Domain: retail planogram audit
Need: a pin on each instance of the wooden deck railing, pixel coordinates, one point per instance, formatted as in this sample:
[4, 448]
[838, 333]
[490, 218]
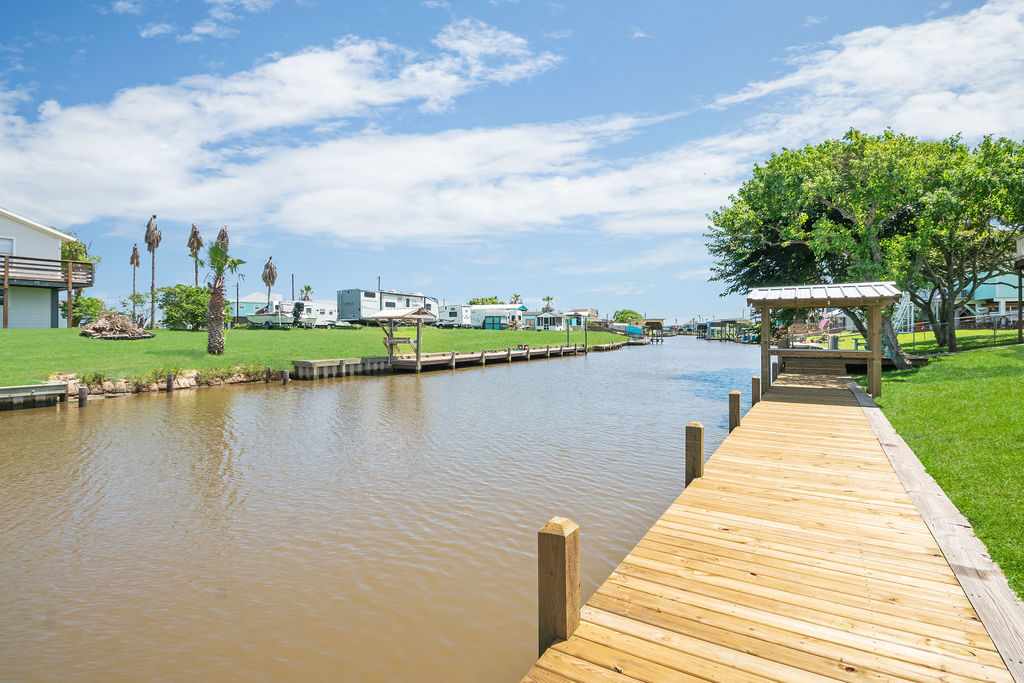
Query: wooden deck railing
[27, 268]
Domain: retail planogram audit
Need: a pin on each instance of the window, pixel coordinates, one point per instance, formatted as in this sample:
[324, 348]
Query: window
[389, 304]
[428, 307]
[370, 295]
[7, 245]
[452, 314]
[407, 304]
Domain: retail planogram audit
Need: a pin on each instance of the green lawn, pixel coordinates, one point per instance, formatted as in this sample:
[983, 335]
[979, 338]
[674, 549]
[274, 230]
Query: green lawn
[924, 342]
[28, 356]
[963, 414]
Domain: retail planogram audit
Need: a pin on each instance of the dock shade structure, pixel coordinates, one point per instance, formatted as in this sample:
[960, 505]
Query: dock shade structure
[871, 296]
[390, 317]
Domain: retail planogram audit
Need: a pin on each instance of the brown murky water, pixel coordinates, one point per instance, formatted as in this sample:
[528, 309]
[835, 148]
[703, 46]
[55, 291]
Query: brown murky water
[365, 529]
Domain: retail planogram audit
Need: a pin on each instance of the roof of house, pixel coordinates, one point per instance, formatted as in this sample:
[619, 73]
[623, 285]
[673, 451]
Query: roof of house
[826, 295]
[38, 226]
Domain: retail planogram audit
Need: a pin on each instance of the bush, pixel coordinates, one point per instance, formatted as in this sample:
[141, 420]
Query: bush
[184, 306]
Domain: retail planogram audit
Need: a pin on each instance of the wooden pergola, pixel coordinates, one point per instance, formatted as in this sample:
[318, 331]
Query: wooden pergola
[871, 296]
[390, 317]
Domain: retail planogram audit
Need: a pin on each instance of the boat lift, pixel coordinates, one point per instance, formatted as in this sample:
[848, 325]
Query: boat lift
[389, 319]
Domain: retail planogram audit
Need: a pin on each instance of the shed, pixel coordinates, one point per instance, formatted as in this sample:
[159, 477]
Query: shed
[872, 296]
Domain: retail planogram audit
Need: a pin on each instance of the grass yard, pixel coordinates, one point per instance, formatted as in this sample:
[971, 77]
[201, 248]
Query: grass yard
[29, 356]
[963, 414]
[924, 342]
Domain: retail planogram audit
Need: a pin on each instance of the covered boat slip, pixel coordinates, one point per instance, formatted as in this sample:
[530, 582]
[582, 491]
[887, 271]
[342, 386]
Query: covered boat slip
[871, 296]
[798, 555]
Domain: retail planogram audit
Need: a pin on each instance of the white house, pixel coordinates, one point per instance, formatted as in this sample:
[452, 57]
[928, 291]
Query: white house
[357, 304]
[496, 316]
[456, 315]
[32, 274]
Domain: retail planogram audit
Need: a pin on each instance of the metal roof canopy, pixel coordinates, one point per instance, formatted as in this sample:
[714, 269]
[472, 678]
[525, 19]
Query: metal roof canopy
[413, 313]
[845, 295]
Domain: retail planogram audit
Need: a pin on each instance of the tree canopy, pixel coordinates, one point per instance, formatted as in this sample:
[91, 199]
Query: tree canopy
[484, 300]
[935, 216]
[627, 316]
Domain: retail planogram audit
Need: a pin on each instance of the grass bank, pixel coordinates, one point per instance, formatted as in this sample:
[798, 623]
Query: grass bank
[963, 414]
[924, 342]
[29, 356]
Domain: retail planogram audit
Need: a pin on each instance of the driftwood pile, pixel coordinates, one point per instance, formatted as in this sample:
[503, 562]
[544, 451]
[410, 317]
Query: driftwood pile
[114, 326]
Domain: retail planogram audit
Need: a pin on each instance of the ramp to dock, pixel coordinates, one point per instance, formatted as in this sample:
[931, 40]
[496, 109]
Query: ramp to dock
[798, 556]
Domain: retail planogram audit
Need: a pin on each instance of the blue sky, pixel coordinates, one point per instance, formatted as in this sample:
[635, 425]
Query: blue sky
[464, 148]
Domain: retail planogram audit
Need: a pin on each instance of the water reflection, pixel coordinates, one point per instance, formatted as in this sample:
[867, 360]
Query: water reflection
[363, 529]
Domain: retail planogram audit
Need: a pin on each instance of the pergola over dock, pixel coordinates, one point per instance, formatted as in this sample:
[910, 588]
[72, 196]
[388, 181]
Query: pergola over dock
[871, 296]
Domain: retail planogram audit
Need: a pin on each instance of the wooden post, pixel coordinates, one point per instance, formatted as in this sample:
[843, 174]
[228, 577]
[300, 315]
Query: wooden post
[285, 378]
[558, 581]
[508, 353]
[693, 455]
[70, 297]
[7, 291]
[549, 351]
[734, 409]
[419, 330]
[875, 364]
[775, 372]
[170, 383]
[483, 358]
[766, 344]
[527, 352]
[755, 390]
[452, 361]
[83, 395]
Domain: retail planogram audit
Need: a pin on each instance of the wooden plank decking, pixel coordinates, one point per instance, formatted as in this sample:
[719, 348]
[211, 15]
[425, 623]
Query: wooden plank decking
[798, 556]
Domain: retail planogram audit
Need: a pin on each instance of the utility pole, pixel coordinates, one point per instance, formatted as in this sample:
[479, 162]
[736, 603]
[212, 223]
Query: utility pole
[380, 297]
[293, 286]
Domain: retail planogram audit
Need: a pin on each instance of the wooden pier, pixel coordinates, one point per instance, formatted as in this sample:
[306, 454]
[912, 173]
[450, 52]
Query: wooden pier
[452, 359]
[801, 551]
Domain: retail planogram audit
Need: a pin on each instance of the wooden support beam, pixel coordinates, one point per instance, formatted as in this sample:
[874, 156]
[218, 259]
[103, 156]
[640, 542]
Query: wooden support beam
[508, 353]
[875, 364]
[83, 395]
[170, 383]
[419, 337]
[483, 358]
[775, 373]
[755, 390]
[71, 304]
[559, 592]
[734, 409]
[451, 363]
[766, 343]
[7, 292]
[549, 351]
[527, 352]
[693, 454]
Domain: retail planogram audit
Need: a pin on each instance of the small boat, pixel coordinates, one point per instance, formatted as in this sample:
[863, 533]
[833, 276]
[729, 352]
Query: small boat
[282, 314]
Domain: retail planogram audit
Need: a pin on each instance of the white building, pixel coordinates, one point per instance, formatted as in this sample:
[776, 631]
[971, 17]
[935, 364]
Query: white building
[496, 316]
[32, 274]
[357, 304]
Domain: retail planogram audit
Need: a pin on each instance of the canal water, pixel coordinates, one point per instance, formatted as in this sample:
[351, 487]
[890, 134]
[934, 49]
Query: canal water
[361, 529]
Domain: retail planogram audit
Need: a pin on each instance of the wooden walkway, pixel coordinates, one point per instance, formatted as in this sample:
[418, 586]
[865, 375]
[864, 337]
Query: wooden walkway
[798, 556]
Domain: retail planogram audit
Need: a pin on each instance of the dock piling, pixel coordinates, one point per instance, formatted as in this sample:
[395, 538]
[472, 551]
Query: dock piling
[693, 455]
[548, 350]
[170, 383]
[285, 377]
[755, 390]
[558, 581]
[775, 372]
[734, 409]
[83, 396]
[508, 353]
[452, 361]
[483, 358]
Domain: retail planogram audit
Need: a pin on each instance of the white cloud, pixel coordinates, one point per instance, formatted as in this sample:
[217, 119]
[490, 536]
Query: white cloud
[220, 15]
[126, 7]
[811, 20]
[155, 29]
[235, 148]
[639, 34]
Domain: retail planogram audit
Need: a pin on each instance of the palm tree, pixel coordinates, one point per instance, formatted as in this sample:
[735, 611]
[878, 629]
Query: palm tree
[516, 299]
[269, 276]
[547, 303]
[307, 293]
[153, 237]
[195, 245]
[134, 261]
[221, 263]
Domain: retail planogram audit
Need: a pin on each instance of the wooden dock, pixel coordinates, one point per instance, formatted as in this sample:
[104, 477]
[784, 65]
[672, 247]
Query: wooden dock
[798, 555]
[428, 361]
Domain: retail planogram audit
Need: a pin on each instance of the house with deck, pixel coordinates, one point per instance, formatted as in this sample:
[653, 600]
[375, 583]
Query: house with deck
[32, 273]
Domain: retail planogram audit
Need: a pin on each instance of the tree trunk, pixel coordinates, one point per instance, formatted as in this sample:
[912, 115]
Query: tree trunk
[899, 359]
[195, 263]
[152, 291]
[215, 319]
[951, 326]
[134, 269]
